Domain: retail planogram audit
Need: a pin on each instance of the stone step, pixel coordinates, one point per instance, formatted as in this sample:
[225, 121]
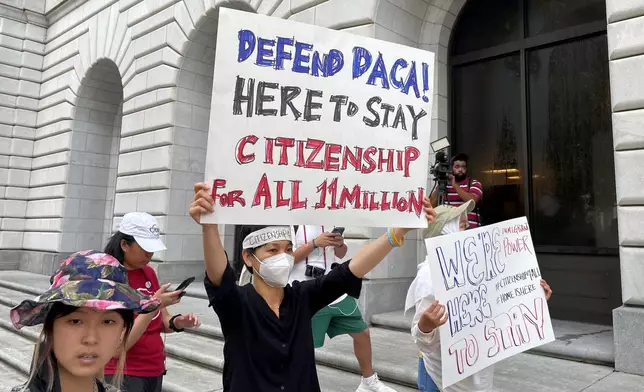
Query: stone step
[395, 355]
[9, 377]
[338, 353]
[195, 360]
[575, 341]
[526, 373]
[18, 350]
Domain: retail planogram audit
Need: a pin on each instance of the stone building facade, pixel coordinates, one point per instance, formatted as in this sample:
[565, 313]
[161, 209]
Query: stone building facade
[104, 109]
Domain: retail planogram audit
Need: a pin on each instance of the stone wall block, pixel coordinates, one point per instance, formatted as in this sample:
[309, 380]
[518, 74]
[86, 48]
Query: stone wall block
[617, 10]
[626, 38]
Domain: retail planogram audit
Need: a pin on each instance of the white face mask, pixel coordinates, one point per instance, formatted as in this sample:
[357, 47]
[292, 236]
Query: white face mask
[275, 270]
[452, 226]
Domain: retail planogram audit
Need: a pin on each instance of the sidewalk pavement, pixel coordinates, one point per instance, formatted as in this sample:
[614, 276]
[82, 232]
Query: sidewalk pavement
[536, 373]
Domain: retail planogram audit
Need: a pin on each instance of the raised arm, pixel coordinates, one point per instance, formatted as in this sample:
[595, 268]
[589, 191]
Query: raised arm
[373, 253]
[370, 255]
[215, 258]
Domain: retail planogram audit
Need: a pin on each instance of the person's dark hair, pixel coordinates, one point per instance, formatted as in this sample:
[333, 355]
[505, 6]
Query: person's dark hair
[460, 157]
[43, 375]
[245, 231]
[113, 247]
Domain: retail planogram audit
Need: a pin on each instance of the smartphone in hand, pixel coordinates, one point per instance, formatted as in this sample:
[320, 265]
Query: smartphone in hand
[338, 230]
[184, 285]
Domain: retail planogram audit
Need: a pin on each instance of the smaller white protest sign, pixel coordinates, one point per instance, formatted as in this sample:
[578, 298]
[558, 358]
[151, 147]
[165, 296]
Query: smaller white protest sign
[489, 280]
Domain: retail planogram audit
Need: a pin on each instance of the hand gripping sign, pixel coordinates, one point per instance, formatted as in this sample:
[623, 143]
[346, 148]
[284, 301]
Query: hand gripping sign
[313, 125]
[489, 280]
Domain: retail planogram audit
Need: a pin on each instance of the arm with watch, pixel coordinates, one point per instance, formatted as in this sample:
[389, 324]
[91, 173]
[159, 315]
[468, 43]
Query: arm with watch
[322, 241]
[179, 322]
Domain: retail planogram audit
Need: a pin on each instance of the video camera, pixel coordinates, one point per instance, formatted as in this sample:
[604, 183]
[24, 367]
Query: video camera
[441, 169]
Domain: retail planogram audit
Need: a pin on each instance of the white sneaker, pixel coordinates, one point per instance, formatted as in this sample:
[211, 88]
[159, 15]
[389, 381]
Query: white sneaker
[373, 384]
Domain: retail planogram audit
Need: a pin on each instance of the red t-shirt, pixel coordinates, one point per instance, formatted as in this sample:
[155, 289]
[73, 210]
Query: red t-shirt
[147, 357]
[471, 186]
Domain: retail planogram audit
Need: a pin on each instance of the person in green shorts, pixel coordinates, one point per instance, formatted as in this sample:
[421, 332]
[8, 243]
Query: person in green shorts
[318, 249]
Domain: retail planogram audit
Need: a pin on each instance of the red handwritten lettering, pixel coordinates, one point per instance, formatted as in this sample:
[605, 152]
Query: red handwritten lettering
[285, 143]
[466, 352]
[516, 229]
[268, 154]
[226, 199]
[316, 146]
[263, 191]
[319, 155]
[411, 154]
[508, 330]
[240, 156]
[389, 160]
[357, 198]
[281, 200]
[352, 197]
[332, 161]
[296, 203]
[518, 245]
[368, 157]
[349, 158]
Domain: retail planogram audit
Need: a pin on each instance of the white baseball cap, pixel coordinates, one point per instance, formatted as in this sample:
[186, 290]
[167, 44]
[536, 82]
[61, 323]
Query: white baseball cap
[145, 230]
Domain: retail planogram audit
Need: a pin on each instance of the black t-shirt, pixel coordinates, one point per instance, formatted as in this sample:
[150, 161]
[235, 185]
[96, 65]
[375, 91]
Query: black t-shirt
[263, 353]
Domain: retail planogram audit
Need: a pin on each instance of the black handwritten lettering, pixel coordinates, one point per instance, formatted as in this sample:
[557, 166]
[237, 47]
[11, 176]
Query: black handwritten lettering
[339, 100]
[240, 97]
[289, 93]
[310, 105]
[372, 122]
[262, 98]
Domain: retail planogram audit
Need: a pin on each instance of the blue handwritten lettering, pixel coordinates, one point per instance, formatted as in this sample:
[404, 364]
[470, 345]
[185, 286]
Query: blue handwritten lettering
[398, 83]
[472, 260]
[265, 52]
[411, 82]
[301, 60]
[281, 54]
[379, 71]
[246, 45]
[277, 51]
[452, 272]
[361, 61]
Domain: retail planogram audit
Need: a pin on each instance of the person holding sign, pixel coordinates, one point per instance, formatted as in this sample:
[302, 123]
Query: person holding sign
[317, 252]
[133, 245]
[267, 324]
[430, 314]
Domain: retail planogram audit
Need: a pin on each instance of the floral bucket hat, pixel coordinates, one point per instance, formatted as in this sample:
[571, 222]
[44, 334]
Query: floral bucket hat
[87, 279]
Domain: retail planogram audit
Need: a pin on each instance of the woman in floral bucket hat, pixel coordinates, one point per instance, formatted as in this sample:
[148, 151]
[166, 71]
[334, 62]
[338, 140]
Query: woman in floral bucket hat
[87, 315]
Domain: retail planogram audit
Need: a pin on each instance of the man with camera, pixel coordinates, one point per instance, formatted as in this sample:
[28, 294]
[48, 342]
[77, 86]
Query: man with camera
[317, 251]
[461, 188]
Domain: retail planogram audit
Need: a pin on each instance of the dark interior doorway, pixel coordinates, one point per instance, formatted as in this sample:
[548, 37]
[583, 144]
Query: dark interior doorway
[530, 104]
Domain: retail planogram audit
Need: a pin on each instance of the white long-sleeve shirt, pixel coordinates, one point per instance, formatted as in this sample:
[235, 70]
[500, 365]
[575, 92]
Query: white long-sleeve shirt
[430, 348]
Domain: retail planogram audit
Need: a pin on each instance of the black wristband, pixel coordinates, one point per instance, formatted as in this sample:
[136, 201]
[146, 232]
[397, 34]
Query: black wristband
[172, 326]
[315, 246]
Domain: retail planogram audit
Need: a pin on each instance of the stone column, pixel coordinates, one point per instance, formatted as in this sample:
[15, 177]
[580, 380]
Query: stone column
[22, 36]
[626, 52]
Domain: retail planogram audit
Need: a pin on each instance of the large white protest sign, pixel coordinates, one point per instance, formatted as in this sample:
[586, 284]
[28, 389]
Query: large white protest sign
[313, 125]
[489, 280]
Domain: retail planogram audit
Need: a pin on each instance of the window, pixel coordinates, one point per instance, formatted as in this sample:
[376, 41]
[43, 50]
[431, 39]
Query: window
[489, 106]
[531, 106]
[545, 16]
